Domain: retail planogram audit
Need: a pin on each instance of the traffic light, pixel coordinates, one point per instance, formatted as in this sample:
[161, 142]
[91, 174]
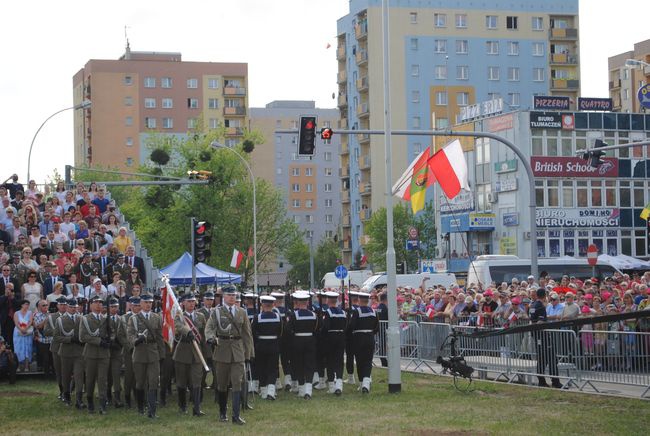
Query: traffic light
[326, 133]
[307, 135]
[594, 157]
[201, 241]
[399, 268]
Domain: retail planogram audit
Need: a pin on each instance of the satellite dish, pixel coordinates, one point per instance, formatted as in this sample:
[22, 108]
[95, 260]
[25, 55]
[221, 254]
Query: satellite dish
[333, 95]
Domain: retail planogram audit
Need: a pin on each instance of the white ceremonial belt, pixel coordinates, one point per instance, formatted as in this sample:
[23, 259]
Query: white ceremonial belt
[303, 334]
[267, 337]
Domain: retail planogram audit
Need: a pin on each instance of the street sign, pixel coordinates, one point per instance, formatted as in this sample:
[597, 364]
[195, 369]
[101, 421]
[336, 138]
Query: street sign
[592, 255]
[644, 95]
[341, 272]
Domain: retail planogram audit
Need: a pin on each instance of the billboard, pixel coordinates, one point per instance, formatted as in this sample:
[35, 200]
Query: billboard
[565, 166]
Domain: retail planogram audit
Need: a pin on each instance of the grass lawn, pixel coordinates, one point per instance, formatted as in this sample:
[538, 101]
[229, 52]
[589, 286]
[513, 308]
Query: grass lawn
[427, 405]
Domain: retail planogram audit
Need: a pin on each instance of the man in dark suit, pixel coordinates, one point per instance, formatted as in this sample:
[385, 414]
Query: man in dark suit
[104, 261]
[9, 304]
[136, 262]
[48, 282]
[6, 277]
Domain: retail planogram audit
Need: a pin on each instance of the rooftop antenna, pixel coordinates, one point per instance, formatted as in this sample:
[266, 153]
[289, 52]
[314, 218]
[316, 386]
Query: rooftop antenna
[127, 54]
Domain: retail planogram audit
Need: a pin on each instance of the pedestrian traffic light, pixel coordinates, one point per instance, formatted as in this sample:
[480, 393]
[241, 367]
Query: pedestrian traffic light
[202, 240]
[326, 133]
[399, 268]
[307, 135]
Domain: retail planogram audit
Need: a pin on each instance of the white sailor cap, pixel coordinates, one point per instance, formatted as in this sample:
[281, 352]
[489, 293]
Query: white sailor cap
[267, 299]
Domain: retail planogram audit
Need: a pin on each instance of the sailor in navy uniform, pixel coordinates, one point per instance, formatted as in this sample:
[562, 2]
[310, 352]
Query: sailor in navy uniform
[302, 325]
[363, 327]
[285, 342]
[349, 351]
[267, 331]
[333, 334]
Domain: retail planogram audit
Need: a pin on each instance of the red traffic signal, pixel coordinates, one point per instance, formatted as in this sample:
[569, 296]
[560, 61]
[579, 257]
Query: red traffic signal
[202, 227]
[326, 133]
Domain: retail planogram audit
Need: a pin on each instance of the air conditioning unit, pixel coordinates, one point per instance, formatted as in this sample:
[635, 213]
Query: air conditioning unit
[492, 197]
[527, 236]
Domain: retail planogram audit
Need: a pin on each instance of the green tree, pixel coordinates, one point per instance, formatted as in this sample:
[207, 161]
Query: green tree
[325, 260]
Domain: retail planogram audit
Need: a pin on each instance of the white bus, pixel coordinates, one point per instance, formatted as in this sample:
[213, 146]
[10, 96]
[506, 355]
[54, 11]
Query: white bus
[412, 280]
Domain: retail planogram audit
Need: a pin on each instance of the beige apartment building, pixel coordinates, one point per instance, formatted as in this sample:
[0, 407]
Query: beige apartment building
[625, 78]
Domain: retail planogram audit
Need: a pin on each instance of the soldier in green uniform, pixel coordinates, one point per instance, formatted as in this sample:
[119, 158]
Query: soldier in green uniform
[66, 333]
[48, 330]
[229, 331]
[129, 379]
[118, 339]
[187, 363]
[144, 332]
[93, 333]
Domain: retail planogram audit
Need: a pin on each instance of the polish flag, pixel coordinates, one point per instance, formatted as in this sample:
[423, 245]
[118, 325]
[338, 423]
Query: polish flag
[237, 257]
[430, 313]
[512, 318]
[450, 169]
[479, 321]
[170, 309]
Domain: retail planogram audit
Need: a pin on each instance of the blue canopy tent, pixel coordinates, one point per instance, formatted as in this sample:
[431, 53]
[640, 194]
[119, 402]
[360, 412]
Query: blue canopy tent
[180, 273]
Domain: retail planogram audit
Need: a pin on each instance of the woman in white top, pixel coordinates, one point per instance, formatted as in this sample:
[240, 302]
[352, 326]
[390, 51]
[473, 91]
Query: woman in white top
[73, 288]
[32, 190]
[32, 290]
[56, 293]
[34, 237]
[60, 191]
[113, 287]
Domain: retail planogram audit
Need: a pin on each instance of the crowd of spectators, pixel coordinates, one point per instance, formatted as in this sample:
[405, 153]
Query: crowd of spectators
[57, 242]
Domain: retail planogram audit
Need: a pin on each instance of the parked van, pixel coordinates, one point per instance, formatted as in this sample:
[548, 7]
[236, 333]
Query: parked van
[355, 278]
[503, 268]
[412, 280]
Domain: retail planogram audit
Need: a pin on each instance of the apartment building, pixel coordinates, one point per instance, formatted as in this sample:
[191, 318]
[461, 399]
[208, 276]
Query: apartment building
[628, 72]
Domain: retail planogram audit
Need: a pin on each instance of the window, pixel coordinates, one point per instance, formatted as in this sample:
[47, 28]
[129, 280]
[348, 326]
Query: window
[150, 103]
[308, 172]
[192, 83]
[440, 20]
[513, 48]
[462, 72]
[440, 72]
[295, 187]
[296, 219]
[150, 123]
[329, 234]
[328, 202]
[128, 101]
[309, 204]
[441, 98]
[192, 103]
[192, 123]
[513, 74]
[512, 23]
[538, 74]
[415, 70]
[129, 142]
[415, 96]
[327, 156]
[168, 123]
[513, 99]
[213, 103]
[213, 83]
[128, 121]
[149, 82]
[494, 95]
[213, 123]
[166, 82]
[328, 187]
[413, 16]
[309, 187]
[538, 23]
[309, 219]
[414, 44]
[129, 161]
[462, 98]
[440, 46]
[491, 21]
[493, 73]
[295, 203]
[329, 219]
[167, 103]
[128, 80]
[416, 122]
[492, 47]
[295, 172]
[328, 172]
[462, 46]
[461, 21]
[538, 49]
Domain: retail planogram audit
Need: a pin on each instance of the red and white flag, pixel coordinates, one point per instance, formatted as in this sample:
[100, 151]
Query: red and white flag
[450, 169]
[237, 257]
[430, 313]
[170, 309]
[479, 321]
[512, 318]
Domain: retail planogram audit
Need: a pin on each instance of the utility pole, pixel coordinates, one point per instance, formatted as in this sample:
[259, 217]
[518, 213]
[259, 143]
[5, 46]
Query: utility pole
[192, 227]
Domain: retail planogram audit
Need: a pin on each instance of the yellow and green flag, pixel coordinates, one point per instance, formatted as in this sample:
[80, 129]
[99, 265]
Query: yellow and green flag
[645, 213]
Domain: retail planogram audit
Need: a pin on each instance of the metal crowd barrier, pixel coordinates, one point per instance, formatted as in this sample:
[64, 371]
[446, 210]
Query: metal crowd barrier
[593, 359]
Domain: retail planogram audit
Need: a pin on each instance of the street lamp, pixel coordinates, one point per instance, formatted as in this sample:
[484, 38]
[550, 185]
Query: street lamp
[215, 144]
[636, 63]
[83, 105]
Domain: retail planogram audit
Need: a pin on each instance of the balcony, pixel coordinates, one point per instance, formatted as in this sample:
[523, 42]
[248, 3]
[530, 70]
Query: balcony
[364, 162]
[362, 110]
[238, 111]
[365, 214]
[347, 245]
[565, 84]
[365, 189]
[346, 220]
[234, 131]
[361, 30]
[345, 196]
[363, 138]
[615, 84]
[344, 172]
[340, 53]
[362, 84]
[563, 34]
[341, 77]
[342, 100]
[345, 147]
[342, 124]
[564, 59]
[234, 90]
[361, 57]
